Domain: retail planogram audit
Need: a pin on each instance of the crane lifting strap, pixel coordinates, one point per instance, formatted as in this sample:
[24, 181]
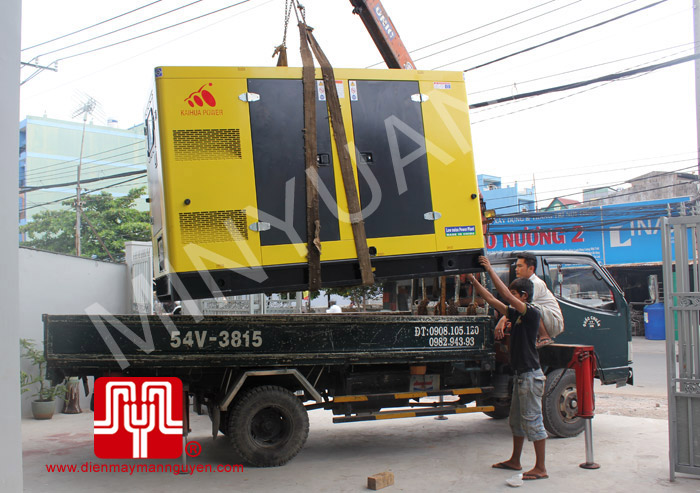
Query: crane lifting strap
[313, 223]
[341, 144]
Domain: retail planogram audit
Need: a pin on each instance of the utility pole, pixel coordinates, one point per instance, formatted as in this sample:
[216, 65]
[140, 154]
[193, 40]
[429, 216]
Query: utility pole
[87, 108]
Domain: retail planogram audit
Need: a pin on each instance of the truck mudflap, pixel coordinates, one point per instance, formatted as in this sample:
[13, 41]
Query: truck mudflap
[81, 343]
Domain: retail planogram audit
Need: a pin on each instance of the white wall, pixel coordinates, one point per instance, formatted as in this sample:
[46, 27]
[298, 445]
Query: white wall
[11, 451]
[61, 285]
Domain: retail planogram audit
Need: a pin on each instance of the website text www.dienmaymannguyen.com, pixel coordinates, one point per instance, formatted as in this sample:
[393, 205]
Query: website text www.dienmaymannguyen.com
[132, 469]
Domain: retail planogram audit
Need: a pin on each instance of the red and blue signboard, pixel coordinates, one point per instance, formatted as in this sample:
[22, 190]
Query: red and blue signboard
[614, 234]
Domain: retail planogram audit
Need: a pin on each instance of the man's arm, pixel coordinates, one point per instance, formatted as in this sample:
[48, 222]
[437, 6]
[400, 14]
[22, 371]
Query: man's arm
[488, 297]
[501, 287]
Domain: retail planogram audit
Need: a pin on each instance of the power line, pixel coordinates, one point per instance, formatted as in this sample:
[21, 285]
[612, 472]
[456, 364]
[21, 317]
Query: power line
[609, 185]
[84, 193]
[91, 26]
[575, 85]
[90, 180]
[156, 31]
[96, 163]
[84, 157]
[120, 29]
[480, 27]
[580, 69]
[444, 50]
[151, 48]
[588, 167]
[578, 191]
[560, 38]
[537, 34]
[588, 172]
[513, 101]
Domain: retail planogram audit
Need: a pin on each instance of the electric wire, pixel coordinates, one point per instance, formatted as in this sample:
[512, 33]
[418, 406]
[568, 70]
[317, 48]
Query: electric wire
[444, 50]
[608, 170]
[478, 28]
[83, 192]
[565, 36]
[536, 34]
[575, 85]
[120, 29]
[90, 165]
[129, 161]
[88, 180]
[88, 156]
[580, 69]
[588, 171]
[578, 190]
[130, 58]
[153, 32]
[91, 26]
[603, 84]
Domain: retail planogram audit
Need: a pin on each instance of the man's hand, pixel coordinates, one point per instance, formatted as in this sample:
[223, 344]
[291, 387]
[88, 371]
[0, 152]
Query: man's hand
[484, 261]
[501, 327]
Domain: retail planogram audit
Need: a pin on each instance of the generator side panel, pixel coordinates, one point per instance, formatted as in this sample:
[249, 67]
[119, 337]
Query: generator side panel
[455, 192]
[206, 159]
[155, 187]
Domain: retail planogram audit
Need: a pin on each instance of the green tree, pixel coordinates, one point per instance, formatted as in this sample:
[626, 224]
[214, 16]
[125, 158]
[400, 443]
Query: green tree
[114, 219]
[359, 294]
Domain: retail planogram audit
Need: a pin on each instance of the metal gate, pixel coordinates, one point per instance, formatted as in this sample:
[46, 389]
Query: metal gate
[681, 248]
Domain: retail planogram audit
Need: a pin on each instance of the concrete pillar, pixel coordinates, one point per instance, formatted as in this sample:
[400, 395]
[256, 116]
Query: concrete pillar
[11, 450]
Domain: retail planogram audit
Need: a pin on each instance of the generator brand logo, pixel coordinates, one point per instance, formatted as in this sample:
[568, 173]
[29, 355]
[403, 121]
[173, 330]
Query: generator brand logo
[138, 418]
[202, 103]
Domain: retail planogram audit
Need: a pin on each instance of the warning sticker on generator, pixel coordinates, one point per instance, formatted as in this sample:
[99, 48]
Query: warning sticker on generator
[460, 231]
[353, 90]
[442, 85]
[321, 89]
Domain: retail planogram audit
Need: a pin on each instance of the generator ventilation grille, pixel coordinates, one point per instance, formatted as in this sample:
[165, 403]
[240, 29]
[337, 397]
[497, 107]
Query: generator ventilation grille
[213, 226]
[207, 144]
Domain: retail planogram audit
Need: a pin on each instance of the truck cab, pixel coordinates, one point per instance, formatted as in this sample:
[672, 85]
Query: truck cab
[595, 313]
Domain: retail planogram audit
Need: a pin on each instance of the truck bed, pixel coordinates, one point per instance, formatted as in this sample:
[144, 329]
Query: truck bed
[89, 344]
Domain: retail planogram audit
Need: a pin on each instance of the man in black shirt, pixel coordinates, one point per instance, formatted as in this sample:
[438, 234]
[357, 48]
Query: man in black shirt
[528, 386]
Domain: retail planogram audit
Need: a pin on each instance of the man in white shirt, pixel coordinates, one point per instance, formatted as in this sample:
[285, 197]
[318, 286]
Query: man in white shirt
[551, 321]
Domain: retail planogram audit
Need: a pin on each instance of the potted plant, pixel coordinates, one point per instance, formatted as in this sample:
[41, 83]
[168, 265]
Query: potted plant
[45, 403]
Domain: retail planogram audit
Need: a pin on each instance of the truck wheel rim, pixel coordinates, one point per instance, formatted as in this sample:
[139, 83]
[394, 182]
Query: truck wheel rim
[568, 404]
[270, 426]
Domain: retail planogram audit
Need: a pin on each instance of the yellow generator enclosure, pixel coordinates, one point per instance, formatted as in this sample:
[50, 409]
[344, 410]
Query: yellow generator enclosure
[228, 184]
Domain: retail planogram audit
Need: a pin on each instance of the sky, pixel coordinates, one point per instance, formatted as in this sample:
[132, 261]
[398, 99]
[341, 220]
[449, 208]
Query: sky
[597, 135]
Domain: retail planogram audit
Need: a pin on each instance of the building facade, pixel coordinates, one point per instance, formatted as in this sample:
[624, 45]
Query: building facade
[509, 200]
[656, 185]
[113, 159]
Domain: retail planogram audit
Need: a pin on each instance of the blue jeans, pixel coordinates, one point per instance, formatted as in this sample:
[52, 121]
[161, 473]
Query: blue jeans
[526, 406]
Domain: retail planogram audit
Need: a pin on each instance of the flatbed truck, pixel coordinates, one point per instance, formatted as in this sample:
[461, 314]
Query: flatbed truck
[258, 375]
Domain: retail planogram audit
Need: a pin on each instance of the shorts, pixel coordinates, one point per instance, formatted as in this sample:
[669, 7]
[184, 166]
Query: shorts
[526, 406]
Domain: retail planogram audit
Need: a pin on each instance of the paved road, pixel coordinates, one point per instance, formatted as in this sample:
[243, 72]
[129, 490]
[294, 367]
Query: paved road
[649, 366]
[648, 396]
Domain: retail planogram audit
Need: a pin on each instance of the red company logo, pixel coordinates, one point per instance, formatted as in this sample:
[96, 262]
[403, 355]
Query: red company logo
[200, 97]
[138, 418]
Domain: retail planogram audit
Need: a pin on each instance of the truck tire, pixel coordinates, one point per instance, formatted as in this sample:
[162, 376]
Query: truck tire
[268, 426]
[560, 404]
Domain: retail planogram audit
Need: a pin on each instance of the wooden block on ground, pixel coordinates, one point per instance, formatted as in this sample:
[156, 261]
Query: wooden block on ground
[381, 480]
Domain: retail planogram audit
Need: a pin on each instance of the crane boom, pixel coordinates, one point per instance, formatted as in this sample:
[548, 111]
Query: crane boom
[383, 32]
